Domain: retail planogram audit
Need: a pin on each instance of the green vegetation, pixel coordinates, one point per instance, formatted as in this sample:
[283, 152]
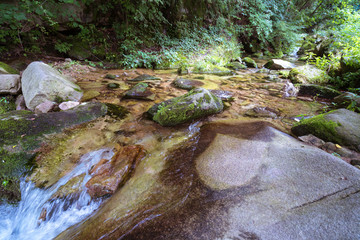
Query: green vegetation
[199, 34]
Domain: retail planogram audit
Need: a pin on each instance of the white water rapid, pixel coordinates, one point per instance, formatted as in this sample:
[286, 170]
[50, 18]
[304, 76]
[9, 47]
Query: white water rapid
[22, 220]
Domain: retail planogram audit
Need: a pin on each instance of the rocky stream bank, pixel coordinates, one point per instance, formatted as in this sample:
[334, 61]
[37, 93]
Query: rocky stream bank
[144, 154]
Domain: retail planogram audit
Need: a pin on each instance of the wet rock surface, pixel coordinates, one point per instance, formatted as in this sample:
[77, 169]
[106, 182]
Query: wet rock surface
[244, 180]
[340, 126]
[108, 175]
[278, 64]
[187, 84]
[140, 91]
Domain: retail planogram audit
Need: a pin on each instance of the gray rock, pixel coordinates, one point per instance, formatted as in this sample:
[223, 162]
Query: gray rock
[278, 64]
[340, 126]
[187, 84]
[68, 105]
[9, 84]
[250, 181]
[311, 139]
[140, 91]
[262, 112]
[41, 82]
[197, 103]
[344, 100]
[20, 102]
[45, 107]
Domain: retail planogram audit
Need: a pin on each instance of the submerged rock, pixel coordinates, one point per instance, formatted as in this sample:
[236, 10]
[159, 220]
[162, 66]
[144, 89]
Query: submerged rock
[249, 62]
[318, 91]
[262, 112]
[40, 82]
[88, 95]
[197, 103]
[144, 77]
[112, 85]
[340, 126]
[140, 91]
[109, 175]
[187, 84]
[223, 95]
[278, 64]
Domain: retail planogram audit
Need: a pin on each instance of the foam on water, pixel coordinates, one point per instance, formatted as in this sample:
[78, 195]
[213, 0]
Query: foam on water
[22, 221]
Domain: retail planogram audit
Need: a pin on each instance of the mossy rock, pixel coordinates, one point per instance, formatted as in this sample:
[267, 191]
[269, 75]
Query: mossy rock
[110, 76]
[140, 91]
[187, 84]
[22, 132]
[236, 66]
[340, 126]
[195, 104]
[348, 99]
[213, 70]
[249, 62]
[6, 69]
[308, 74]
[144, 77]
[78, 51]
[318, 91]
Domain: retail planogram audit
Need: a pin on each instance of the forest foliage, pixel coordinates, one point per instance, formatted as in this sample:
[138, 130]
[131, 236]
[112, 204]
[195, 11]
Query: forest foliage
[142, 33]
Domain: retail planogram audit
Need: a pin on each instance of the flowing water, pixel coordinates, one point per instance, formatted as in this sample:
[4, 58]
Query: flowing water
[22, 220]
[25, 220]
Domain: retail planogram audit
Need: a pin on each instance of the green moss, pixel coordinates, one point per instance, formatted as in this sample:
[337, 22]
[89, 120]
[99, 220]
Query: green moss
[4, 68]
[116, 111]
[321, 128]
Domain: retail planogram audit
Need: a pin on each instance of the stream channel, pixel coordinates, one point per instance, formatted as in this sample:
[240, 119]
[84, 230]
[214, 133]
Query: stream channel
[165, 179]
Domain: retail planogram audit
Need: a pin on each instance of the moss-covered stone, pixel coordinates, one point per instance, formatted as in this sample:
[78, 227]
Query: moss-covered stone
[308, 74]
[249, 62]
[236, 66]
[144, 77]
[340, 126]
[187, 84]
[6, 69]
[197, 103]
[318, 91]
[140, 91]
[22, 132]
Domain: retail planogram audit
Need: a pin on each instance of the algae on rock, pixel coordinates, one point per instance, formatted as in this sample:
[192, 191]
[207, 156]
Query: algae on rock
[197, 103]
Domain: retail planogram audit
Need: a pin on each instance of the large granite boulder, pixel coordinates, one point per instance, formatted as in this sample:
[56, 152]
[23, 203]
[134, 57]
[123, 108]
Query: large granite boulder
[9, 84]
[41, 82]
[245, 180]
[340, 126]
[278, 64]
[197, 103]
[307, 74]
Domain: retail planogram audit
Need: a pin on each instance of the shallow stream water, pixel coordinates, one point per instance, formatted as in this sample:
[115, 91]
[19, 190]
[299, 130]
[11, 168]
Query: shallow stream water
[250, 89]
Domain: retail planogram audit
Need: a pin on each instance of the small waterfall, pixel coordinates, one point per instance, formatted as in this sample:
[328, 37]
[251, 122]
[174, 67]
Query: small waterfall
[289, 90]
[22, 221]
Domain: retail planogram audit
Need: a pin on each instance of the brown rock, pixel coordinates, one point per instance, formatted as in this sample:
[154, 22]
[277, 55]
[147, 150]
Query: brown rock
[109, 175]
